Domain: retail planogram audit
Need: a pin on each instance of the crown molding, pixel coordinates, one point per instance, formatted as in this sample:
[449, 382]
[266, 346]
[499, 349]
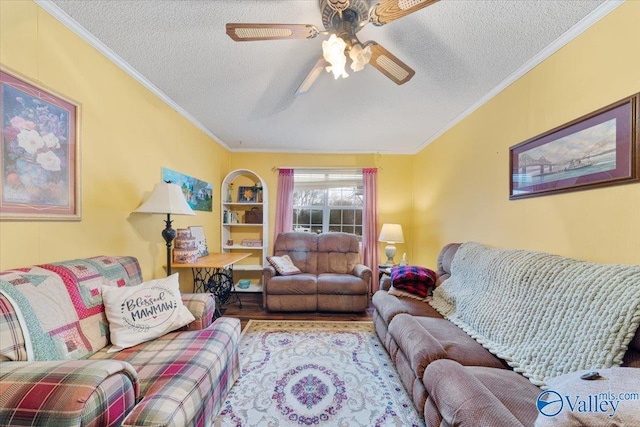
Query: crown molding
[600, 12]
[82, 32]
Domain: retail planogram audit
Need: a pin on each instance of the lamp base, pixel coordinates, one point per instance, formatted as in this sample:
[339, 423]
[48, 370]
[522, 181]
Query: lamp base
[168, 234]
[390, 252]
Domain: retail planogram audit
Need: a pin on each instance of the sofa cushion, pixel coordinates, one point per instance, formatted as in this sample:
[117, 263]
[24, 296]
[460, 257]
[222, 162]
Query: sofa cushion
[283, 265]
[341, 284]
[301, 247]
[470, 396]
[12, 344]
[425, 339]
[338, 253]
[141, 313]
[388, 306]
[299, 284]
[183, 376]
[445, 257]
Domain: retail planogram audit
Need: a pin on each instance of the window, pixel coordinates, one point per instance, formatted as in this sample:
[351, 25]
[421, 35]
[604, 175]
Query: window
[328, 200]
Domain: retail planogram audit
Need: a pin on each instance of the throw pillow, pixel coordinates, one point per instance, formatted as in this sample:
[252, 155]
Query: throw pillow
[413, 279]
[283, 265]
[144, 312]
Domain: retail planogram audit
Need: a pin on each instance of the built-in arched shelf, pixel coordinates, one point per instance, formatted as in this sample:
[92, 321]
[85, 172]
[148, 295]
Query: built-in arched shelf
[241, 232]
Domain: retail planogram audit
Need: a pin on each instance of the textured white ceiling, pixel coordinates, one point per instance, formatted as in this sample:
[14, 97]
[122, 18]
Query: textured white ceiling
[243, 93]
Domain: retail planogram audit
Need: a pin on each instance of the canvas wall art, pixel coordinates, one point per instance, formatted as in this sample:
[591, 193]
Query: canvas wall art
[40, 171]
[198, 193]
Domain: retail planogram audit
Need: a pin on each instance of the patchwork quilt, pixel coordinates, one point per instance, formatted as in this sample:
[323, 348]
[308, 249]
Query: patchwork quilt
[58, 307]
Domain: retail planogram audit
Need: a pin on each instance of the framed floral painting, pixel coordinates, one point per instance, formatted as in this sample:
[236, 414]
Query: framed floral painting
[40, 170]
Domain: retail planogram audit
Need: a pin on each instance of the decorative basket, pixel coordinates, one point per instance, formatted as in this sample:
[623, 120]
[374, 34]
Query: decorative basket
[253, 216]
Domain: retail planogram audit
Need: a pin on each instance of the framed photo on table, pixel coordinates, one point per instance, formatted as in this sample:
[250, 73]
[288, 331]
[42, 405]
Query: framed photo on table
[596, 150]
[201, 242]
[40, 151]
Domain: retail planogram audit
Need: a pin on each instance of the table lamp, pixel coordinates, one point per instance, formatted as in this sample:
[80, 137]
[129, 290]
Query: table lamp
[391, 234]
[167, 199]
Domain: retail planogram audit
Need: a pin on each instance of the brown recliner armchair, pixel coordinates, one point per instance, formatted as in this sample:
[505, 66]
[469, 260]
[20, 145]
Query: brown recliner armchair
[331, 276]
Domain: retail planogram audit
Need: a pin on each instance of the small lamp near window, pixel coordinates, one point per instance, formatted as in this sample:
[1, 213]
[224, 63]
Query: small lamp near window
[391, 234]
[167, 199]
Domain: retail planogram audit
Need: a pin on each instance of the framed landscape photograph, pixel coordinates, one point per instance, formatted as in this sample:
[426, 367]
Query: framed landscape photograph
[596, 150]
[40, 146]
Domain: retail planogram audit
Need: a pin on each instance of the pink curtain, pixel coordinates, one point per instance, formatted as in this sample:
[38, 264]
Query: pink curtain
[370, 223]
[284, 203]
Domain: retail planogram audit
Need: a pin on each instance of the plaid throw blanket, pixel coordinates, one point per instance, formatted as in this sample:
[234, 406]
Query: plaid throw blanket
[413, 279]
[545, 315]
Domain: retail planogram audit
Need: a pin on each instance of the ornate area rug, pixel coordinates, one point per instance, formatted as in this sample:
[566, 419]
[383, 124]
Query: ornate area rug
[316, 373]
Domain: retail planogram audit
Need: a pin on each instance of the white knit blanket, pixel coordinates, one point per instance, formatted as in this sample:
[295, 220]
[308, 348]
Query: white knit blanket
[545, 315]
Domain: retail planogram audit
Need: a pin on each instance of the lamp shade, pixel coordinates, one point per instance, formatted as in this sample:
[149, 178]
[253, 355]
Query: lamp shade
[166, 198]
[391, 233]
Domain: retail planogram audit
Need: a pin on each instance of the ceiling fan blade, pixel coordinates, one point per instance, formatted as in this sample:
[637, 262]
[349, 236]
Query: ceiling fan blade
[317, 69]
[390, 10]
[252, 32]
[389, 65]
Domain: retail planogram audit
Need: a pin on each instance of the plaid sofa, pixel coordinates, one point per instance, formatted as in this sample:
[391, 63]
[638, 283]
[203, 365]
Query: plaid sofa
[179, 379]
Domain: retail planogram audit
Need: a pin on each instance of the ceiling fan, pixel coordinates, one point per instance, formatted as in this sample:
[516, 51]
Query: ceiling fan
[342, 19]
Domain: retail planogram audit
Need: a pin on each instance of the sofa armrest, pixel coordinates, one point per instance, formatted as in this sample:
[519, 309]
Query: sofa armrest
[267, 273]
[363, 272]
[461, 399]
[67, 393]
[202, 306]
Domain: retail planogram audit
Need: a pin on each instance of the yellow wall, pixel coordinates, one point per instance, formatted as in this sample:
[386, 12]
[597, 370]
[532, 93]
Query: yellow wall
[127, 136]
[465, 173]
[395, 191]
[456, 189]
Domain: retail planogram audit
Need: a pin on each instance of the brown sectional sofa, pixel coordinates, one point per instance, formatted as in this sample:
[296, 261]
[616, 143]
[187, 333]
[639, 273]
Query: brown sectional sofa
[332, 277]
[452, 378]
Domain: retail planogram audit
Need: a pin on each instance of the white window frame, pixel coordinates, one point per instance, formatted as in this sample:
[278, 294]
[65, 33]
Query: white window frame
[325, 180]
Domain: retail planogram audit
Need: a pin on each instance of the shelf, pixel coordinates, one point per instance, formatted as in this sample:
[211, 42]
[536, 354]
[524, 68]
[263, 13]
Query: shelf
[236, 232]
[248, 248]
[247, 267]
[254, 287]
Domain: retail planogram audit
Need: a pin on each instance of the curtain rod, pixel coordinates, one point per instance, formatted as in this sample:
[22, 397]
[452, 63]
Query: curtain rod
[277, 168]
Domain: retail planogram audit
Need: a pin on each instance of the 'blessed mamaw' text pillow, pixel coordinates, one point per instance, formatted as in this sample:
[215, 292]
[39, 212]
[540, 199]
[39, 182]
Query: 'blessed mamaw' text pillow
[144, 312]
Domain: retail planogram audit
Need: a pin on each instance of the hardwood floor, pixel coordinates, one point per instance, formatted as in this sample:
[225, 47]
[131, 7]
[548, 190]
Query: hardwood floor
[252, 309]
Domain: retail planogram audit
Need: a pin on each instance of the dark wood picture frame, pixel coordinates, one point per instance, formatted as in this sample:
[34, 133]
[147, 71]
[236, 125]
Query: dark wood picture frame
[596, 150]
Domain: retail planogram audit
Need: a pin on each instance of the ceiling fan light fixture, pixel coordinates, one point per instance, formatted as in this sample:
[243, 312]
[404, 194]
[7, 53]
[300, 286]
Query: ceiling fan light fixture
[359, 56]
[333, 52]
